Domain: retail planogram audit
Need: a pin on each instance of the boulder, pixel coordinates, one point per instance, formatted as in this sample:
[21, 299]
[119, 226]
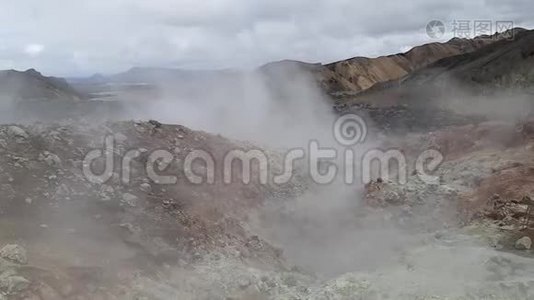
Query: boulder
[145, 187]
[50, 158]
[129, 199]
[14, 253]
[13, 284]
[16, 131]
[524, 243]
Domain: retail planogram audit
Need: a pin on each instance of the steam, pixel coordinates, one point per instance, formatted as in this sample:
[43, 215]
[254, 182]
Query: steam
[328, 230]
[249, 107]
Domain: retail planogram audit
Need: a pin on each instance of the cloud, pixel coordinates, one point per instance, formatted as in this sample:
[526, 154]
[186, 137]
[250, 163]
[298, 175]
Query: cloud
[114, 35]
[33, 50]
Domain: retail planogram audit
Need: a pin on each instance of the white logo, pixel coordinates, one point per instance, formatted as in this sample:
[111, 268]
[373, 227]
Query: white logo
[350, 130]
[435, 29]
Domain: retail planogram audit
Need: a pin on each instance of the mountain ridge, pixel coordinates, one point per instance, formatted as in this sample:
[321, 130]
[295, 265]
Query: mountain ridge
[31, 85]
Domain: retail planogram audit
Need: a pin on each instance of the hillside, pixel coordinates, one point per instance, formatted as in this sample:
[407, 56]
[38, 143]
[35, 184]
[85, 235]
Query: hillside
[360, 73]
[85, 240]
[31, 85]
[504, 66]
[348, 76]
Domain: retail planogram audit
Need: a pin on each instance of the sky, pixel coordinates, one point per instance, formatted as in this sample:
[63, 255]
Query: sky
[80, 38]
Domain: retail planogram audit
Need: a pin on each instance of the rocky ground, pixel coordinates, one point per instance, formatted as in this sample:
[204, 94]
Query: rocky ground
[64, 237]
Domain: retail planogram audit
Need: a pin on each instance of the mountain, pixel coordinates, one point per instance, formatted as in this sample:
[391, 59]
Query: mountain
[360, 73]
[28, 96]
[425, 73]
[495, 82]
[346, 77]
[162, 75]
[504, 65]
[31, 85]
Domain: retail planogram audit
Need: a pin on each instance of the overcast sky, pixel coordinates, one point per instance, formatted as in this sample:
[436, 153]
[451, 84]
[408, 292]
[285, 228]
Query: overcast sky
[67, 37]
